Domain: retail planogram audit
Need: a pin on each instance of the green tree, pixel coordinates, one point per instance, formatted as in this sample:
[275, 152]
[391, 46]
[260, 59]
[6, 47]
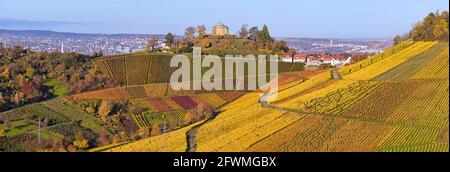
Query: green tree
[266, 35]
[169, 39]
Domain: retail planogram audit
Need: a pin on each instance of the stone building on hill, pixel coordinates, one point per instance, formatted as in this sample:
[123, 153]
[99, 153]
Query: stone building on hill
[220, 29]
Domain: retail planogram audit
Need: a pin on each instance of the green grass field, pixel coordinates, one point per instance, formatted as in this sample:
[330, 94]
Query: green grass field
[58, 88]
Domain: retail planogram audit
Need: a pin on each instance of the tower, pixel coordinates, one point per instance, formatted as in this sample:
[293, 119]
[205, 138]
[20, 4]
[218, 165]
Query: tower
[62, 47]
[220, 29]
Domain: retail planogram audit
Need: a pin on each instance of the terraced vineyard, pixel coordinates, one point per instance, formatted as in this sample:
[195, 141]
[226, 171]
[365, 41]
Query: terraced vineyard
[394, 101]
[143, 68]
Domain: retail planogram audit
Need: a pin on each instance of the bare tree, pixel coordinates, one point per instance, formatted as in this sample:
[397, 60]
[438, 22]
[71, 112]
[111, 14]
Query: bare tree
[152, 42]
[243, 32]
[190, 32]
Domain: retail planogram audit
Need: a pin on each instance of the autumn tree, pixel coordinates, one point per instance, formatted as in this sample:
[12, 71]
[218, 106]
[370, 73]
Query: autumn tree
[280, 46]
[81, 143]
[188, 118]
[144, 132]
[104, 110]
[189, 33]
[2, 133]
[433, 27]
[201, 30]
[116, 139]
[156, 130]
[441, 30]
[102, 138]
[243, 32]
[397, 39]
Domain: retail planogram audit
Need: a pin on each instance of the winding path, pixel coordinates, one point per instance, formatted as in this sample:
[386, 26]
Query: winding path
[336, 74]
[191, 135]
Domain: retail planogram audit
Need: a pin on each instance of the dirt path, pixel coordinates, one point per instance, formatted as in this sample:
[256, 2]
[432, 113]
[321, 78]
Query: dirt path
[191, 135]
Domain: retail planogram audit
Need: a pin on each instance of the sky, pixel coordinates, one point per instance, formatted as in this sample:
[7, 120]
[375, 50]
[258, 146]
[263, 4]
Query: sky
[285, 18]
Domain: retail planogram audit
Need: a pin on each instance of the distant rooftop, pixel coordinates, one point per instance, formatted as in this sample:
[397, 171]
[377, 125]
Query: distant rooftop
[220, 24]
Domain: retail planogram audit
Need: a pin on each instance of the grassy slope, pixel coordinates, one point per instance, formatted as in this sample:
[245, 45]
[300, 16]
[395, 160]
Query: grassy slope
[58, 88]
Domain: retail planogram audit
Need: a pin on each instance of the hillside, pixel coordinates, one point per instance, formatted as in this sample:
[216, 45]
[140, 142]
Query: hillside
[378, 106]
[227, 45]
[146, 68]
[393, 101]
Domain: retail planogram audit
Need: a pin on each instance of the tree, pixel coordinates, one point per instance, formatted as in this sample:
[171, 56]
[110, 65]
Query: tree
[46, 123]
[189, 32]
[169, 39]
[102, 138]
[144, 132]
[2, 100]
[152, 43]
[441, 30]
[444, 15]
[397, 40]
[266, 36]
[6, 72]
[243, 32]
[156, 130]
[7, 124]
[201, 30]
[104, 110]
[30, 72]
[253, 33]
[116, 139]
[2, 133]
[81, 144]
[280, 46]
[188, 118]
[429, 24]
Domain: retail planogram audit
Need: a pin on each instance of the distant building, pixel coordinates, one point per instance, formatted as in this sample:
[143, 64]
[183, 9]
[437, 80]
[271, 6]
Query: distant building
[300, 58]
[317, 59]
[220, 29]
[287, 56]
[314, 61]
